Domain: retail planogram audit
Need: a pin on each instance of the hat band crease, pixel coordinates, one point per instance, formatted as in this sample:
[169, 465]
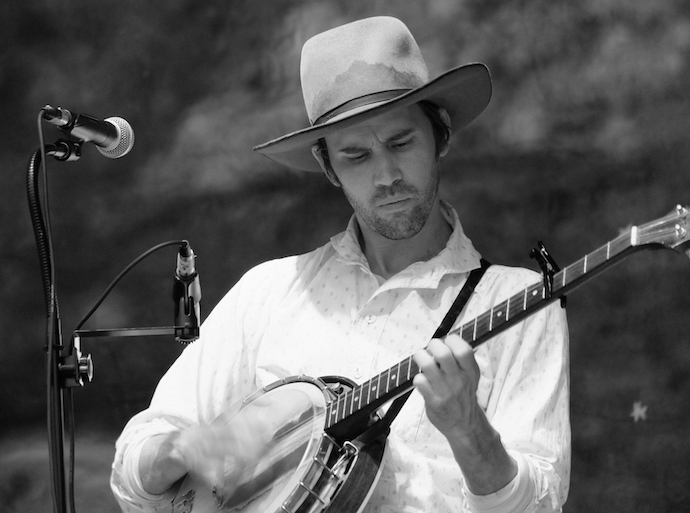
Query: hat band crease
[359, 102]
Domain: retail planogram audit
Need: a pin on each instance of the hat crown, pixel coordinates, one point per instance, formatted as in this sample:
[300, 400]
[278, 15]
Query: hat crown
[359, 60]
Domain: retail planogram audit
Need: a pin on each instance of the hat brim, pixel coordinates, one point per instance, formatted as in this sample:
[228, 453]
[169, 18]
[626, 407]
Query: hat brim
[463, 91]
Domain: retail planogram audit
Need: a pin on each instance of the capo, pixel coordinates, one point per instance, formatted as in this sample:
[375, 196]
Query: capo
[548, 267]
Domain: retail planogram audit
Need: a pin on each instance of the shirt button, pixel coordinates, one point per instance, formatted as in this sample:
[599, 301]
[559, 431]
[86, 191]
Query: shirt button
[370, 319]
[358, 373]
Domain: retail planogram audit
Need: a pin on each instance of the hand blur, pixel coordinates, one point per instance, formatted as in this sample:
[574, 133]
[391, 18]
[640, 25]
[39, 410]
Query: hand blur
[217, 456]
[226, 455]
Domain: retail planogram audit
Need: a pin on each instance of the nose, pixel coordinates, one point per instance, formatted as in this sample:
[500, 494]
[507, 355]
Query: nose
[387, 170]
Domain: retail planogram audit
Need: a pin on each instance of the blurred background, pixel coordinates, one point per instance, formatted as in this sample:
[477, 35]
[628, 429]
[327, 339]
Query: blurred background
[586, 134]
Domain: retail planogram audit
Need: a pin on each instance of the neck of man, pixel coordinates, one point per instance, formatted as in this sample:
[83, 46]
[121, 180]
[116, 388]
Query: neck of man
[388, 257]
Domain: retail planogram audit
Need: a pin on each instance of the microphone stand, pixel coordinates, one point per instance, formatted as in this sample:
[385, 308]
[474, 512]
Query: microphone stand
[57, 395]
[66, 366]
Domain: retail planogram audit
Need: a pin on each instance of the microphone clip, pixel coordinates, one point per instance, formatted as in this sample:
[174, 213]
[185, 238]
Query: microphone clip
[186, 295]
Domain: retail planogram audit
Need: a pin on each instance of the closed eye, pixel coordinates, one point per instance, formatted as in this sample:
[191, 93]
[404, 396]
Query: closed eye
[356, 158]
[401, 144]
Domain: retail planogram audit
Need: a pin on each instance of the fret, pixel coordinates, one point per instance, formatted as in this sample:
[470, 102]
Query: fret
[396, 376]
[494, 318]
[412, 369]
[532, 294]
[389, 375]
[592, 260]
[524, 306]
[608, 250]
[356, 400]
[477, 330]
[349, 399]
[382, 382]
[466, 328]
[513, 305]
[484, 322]
[575, 270]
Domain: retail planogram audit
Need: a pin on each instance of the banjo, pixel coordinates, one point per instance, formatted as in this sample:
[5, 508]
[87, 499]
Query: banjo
[313, 453]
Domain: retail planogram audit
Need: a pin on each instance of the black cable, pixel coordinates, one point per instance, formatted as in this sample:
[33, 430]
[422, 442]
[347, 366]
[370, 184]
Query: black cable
[122, 275]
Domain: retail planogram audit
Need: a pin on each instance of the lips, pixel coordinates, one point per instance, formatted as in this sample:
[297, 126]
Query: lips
[394, 202]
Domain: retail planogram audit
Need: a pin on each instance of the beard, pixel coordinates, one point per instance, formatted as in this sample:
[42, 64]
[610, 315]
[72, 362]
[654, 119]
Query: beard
[404, 224]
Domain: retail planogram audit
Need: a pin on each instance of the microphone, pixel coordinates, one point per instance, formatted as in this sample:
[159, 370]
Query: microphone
[113, 137]
[186, 295]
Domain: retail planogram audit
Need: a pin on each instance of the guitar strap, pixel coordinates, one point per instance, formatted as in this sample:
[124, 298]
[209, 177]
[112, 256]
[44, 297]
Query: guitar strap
[382, 427]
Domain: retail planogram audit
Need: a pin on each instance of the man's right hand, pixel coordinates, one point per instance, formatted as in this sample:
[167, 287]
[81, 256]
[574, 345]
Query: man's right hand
[213, 455]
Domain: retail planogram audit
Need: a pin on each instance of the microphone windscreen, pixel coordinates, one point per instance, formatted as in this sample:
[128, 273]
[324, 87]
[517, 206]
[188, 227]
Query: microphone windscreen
[123, 144]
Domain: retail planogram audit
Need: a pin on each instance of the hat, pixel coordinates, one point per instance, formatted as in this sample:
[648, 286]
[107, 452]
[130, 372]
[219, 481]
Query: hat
[364, 69]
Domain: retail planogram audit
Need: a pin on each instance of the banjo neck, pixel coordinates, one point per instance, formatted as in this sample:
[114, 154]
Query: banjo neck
[667, 232]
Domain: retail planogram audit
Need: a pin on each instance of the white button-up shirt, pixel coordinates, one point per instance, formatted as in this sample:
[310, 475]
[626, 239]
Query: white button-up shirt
[325, 313]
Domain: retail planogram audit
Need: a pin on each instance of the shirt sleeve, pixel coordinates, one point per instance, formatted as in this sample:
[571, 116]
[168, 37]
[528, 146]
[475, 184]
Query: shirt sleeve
[514, 497]
[526, 371]
[124, 479]
[209, 376]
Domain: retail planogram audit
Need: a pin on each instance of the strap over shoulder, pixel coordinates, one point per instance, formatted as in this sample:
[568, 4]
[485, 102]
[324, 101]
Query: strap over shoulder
[461, 300]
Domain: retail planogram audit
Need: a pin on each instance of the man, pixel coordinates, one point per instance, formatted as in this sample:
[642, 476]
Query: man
[489, 429]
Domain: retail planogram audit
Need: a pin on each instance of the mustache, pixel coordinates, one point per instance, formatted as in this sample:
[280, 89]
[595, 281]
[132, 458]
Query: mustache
[394, 189]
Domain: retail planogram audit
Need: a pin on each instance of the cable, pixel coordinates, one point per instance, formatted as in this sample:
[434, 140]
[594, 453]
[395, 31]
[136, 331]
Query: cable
[122, 275]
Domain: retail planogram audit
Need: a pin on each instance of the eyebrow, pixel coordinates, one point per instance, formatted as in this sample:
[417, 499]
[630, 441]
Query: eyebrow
[395, 137]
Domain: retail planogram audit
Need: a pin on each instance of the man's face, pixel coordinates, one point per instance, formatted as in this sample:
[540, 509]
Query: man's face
[388, 170]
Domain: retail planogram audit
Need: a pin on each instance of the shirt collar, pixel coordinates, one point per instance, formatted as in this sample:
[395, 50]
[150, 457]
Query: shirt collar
[459, 255]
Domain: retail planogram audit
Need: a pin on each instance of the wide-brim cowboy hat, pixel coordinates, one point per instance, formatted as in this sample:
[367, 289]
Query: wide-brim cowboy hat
[367, 68]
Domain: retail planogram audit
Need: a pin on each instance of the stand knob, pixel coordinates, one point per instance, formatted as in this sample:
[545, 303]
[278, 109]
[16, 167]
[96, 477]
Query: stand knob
[76, 367]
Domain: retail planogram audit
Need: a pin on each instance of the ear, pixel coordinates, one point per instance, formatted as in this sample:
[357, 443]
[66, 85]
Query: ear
[325, 166]
[317, 155]
[446, 119]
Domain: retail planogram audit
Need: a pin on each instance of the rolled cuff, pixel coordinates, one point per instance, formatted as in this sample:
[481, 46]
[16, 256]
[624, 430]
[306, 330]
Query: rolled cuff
[125, 480]
[516, 496]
